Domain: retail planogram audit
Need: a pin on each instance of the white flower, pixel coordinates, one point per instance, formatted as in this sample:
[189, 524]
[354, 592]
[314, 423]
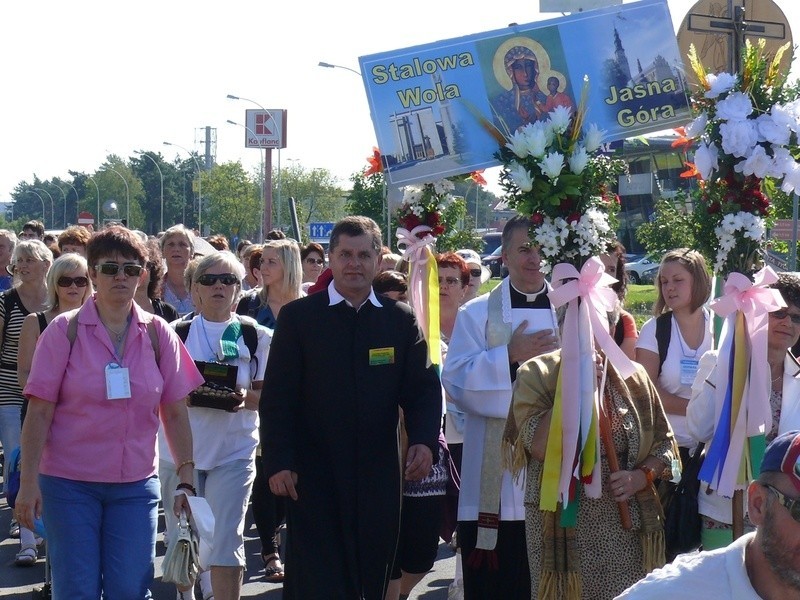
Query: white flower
[736, 107]
[593, 137]
[739, 137]
[787, 115]
[412, 195]
[705, 159]
[719, 84]
[773, 131]
[782, 161]
[518, 144]
[537, 137]
[758, 163]
[443, 186]
[552, 164]
[697, 126]
[559, 119]
[520, 176]
[578, 160]
[791, 180]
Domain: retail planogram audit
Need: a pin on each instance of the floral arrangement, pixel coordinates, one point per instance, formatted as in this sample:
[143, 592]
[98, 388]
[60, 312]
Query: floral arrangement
[746, 145]
[553, 173]
[423, 205]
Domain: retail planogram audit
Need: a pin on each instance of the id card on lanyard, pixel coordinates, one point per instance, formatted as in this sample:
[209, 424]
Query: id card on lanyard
[118, 382]
[688, 370]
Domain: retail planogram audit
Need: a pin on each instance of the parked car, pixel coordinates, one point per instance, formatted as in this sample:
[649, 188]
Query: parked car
[636, 268]
[648, 277]
[494, 262]
[491, 241]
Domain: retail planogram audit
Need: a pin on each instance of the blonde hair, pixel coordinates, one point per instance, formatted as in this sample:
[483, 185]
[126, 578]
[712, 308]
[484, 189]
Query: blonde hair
[288, 252]
[693, 262]
[64, 264]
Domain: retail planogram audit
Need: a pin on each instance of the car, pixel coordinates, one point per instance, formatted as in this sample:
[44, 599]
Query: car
[636, 268]
[491, 241]
[494, 262]
[648, 277]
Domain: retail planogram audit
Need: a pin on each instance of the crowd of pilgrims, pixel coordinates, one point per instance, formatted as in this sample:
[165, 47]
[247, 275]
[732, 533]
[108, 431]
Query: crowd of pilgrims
[495, 347]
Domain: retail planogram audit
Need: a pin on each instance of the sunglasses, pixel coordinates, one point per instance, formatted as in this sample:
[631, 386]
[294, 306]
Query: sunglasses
[475, 272]
[226, 278]
[782, 314]
[315, 261]
[450, 281]
[66, 282]
[130, 269]
[793, 506]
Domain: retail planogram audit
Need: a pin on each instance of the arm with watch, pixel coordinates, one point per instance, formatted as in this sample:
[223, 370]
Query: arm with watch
[175, 418]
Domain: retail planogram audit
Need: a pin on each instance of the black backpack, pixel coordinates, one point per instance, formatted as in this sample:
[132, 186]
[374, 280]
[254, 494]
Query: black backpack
[663, 336]
[249, 334]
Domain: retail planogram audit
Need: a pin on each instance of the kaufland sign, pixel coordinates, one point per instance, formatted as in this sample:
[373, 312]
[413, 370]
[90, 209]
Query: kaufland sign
[265, 128]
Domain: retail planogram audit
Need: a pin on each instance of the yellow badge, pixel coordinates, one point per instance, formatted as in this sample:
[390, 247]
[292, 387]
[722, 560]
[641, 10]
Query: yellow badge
[381, 356]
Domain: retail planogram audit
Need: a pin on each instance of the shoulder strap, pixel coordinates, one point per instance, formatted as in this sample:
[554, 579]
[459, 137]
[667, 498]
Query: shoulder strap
[619, 332]
[182, 329]
[42, 321]
[250, 336]
[72, 328]
[663, 335]
[9, 299]
[72, 334]
[151, 331]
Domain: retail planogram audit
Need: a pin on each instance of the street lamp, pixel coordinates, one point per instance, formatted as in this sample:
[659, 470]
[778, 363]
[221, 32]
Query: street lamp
[42, 199]
[266, 217]
[127, 197]
[52, 206]
[330, 66]
[199, 187]
[64, 196]
[161, 175]
[77, 200]
[263, 174]
[90, 178]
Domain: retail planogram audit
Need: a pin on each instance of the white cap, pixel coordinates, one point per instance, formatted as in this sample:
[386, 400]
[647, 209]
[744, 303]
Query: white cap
[473, 258]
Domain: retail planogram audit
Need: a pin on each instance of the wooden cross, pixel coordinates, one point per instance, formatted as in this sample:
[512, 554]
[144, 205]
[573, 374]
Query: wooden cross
[736, 28]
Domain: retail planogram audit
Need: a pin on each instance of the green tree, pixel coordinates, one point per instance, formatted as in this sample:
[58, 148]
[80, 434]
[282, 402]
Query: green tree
[459, 231]
[317, 195]
[231, 200]
[367, 197]
[672, 226]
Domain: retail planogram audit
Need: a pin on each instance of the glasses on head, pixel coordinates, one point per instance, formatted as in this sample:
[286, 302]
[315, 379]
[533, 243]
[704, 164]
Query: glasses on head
[783, 313]
[208, 279]
[475, 272]
[315, 261]
[130, 269]
[450, 281]
[793, 506]
[66, 282]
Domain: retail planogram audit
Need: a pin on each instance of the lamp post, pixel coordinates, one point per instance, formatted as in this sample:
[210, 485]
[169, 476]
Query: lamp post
[77, 200]
[161, 175]
[330, 66]
[64, 196]
[263, 175]
[52, 205]
[127, 197]
[40, 198]
[90, 178]
[199, 187]
[266, 218]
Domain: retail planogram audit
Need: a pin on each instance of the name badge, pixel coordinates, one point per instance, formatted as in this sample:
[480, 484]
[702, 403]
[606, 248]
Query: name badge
[118, 382]
[381, 356]
[688, 370]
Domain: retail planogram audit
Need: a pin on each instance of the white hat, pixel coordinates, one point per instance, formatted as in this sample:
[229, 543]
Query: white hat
[472, 258]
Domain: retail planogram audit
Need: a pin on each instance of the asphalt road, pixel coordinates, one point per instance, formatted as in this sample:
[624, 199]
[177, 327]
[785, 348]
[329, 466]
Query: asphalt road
[17, 583]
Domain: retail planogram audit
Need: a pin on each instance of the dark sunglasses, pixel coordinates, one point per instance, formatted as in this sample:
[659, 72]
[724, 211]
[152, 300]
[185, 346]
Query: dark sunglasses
[315, 261]
[793, 506]
[475, 272]
[130, 269]
[782, 314]
[226, 278]
[66, 282]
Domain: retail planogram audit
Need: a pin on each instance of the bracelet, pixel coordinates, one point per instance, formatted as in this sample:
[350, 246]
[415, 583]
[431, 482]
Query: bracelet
[183, 464]
[188, 487]
[648, 473]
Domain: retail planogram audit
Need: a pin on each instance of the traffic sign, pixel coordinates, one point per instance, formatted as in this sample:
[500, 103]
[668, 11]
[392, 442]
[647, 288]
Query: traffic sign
[85, 218]
[320, 231]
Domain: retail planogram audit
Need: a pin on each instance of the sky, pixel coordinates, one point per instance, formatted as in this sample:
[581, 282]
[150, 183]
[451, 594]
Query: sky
[85, 79]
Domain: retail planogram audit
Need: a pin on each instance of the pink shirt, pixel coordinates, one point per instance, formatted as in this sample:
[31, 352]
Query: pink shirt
[92, 438]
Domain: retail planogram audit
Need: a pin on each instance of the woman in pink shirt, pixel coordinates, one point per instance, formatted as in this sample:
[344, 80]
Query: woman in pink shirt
[99, 383]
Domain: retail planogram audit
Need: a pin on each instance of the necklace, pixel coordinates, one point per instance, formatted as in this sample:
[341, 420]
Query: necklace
[118, 334]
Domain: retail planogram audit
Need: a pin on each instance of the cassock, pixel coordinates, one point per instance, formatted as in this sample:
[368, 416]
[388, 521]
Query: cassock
[329, 412]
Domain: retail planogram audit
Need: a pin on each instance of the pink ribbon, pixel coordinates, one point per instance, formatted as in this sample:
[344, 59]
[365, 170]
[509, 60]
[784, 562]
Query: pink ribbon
[414, 249]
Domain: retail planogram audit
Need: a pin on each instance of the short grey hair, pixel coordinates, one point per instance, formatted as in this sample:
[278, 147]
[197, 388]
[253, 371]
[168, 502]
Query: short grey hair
[34, 249]
[220, 257]
[178, 230]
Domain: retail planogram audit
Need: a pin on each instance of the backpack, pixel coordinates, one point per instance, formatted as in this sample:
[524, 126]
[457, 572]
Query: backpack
[249, 335]
[663, 336]
[72, 333]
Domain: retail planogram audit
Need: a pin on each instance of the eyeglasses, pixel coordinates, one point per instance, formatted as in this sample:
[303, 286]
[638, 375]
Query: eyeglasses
[475, 272]
[66, 282]
[782, 314]
[450, 281]
[130, 269]
[208, 279]
[315, 261]
[793, 506]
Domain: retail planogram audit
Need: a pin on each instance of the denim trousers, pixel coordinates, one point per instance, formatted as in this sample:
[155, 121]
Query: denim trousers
[10, 429]
[101, 537]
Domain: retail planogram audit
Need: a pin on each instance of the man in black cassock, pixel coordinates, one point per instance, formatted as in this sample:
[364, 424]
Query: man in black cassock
[341, 363]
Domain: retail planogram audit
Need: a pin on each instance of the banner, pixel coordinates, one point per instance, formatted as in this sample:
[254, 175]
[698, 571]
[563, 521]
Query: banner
[427, 101]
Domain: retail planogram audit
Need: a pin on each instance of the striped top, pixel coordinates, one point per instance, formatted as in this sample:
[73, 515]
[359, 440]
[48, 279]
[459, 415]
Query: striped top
[10, 392]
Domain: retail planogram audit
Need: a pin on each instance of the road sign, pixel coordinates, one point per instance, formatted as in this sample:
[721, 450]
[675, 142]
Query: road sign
[782, 230]
[85, 218]
[265, 128]
[320, 231]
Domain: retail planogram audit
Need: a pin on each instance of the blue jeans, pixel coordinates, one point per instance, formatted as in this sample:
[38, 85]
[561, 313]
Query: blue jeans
[10, 429]
[101, 537]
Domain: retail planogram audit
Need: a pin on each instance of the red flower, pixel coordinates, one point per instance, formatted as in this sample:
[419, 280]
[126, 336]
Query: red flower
[537, 218]
[572, 217]
[410, 221]
[432, 219]
[714, 208]
[477, 177]
[565, 205]
[438, 230]
[691, 171]
[375, 163]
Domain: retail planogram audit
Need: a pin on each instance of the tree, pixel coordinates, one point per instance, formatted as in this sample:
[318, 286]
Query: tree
[672, 226]
[367, 197]
[317, 194]
[232, 201]
[458, 233]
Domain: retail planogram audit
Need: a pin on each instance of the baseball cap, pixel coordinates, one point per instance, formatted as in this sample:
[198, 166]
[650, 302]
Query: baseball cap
[783, 456]
[472, 258]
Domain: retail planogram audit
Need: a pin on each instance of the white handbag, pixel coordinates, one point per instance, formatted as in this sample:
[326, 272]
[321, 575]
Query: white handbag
[181, 561]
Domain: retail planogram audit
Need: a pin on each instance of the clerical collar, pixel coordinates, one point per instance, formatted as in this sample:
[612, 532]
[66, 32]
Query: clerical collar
[530, 297]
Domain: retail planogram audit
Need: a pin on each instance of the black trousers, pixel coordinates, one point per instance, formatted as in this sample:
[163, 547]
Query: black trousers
[269, 511]
[512, 580]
